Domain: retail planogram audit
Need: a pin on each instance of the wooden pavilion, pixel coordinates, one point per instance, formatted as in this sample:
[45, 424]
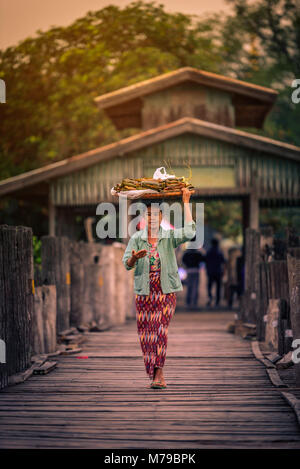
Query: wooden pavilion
[185, 115]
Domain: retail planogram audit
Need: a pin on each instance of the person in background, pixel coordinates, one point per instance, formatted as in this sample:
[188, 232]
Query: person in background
[215, 261]
[192, 259]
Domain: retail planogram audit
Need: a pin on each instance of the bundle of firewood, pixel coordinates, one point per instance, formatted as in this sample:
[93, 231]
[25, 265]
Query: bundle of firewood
[165, 186]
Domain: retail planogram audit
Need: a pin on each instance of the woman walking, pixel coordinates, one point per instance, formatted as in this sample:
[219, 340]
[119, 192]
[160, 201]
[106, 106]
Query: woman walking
[156, 281]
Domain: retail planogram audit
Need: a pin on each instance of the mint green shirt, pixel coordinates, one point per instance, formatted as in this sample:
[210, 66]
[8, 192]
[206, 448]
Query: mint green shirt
[168, 240]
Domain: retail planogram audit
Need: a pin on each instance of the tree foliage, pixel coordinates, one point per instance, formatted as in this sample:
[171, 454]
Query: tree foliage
[262, 46]
[53, 78]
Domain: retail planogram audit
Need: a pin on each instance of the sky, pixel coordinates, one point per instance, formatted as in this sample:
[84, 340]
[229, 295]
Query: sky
[22, 18]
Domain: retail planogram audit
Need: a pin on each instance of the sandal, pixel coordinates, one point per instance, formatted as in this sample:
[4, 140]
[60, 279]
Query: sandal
[158, 385]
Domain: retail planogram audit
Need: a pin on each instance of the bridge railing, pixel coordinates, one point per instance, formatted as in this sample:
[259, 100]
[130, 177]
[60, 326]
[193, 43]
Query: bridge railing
[271, 300]
[81, 285]
[16, 299]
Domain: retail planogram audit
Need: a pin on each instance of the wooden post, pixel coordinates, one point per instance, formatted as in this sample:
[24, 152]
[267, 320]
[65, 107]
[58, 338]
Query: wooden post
[250, 206]
[85, 278]
[274, 325]
[254, 210]
[263, 301]
[97, 297]
[107, 314]
[252, 286]
[56, 271]
[49, 317]
[274, 286]
[38, 326]
[293, 264]
[77, 284]
[121, 280]
[77, 292]
[51, 215]
[16, 298]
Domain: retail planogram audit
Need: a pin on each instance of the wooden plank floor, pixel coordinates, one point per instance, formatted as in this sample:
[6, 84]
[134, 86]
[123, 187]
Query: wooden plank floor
[218, 395]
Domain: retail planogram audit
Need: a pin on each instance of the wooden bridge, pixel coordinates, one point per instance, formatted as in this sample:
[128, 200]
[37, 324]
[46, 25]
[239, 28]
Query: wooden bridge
[225, 390]
[220, 391]
[218, 396]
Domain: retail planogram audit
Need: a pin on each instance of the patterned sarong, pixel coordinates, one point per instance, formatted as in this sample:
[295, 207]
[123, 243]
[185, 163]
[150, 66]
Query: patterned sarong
[153, 315]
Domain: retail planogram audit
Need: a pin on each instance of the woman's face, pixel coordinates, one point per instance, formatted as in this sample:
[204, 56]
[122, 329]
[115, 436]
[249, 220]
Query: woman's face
[153, 218]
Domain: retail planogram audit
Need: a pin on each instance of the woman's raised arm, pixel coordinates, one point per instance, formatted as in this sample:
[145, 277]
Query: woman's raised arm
[181, 235]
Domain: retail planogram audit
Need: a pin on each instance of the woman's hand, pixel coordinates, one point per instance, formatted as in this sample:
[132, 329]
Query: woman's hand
[186, 194]
[135, 255]
[138, 254]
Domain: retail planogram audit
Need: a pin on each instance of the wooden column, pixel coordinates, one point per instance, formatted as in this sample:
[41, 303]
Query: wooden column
[16, 299]
[52, 215]
[49, 317]
[56, 271]
[88, 295]
[38, 326]
[250, 206]
[253, 210]
[252, 286]
[294, 288]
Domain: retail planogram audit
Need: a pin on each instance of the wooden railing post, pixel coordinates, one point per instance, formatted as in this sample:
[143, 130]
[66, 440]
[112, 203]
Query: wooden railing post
[251, 299]
[294, 290]
[56, 271]
[16, 298]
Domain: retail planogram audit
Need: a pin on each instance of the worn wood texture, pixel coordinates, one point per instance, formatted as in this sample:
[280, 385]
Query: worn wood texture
[49, 295]
[56, 271]
[218, 395]
[95, 271]
[263, 300]
[44, 320]
[274, 337]
[16, 298]
[251, 304]
[82, 255]
[294, 286]
[122, 292]
[37, 323]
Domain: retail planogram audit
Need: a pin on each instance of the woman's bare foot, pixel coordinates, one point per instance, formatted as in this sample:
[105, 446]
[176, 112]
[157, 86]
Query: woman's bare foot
[159, 376]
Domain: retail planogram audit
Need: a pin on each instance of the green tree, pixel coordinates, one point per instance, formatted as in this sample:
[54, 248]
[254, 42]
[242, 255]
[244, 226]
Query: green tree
[225, 217]
[261, 44]
[52, 79]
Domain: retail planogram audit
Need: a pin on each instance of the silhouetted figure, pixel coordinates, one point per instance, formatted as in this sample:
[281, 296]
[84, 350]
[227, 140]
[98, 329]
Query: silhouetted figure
[192, 259]
[238, 286]
[214, 260]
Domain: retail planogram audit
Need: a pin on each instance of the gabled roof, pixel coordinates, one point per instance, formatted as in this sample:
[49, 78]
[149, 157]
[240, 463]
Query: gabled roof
[252, 102]
[144, 139]
[179, 76]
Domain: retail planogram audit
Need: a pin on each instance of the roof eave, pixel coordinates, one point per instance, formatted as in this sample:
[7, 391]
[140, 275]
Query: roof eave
[143, 139]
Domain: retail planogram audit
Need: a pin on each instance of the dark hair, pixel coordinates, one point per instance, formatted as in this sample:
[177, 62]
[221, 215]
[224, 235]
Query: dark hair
[215, 242]
[148, 203]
